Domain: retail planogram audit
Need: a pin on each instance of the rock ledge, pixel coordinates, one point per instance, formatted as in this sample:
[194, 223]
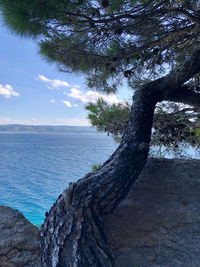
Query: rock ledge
[158, 224]
[19, 240]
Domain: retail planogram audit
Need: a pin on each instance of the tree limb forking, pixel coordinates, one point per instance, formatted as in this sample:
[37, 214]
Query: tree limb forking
[177, 77]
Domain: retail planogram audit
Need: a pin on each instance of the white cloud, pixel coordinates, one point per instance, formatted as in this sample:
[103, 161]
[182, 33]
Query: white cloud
[33, 119]
[7, 91]
[75, 105]
[55, 84]
[67, 103]
[91, 96]
[52, 100]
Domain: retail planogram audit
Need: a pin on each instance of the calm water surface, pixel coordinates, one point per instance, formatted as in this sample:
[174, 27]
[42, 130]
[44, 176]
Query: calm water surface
[35, 168]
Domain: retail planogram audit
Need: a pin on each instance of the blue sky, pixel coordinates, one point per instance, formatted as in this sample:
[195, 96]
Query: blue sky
[34, 92]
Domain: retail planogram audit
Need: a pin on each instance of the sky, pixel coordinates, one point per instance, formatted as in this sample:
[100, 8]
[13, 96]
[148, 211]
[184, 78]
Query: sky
[34, 92]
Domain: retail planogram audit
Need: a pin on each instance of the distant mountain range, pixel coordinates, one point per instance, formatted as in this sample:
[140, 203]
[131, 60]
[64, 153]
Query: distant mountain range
[17, 128]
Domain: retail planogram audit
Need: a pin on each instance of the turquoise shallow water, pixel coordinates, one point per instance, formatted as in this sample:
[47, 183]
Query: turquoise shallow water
[35, 168]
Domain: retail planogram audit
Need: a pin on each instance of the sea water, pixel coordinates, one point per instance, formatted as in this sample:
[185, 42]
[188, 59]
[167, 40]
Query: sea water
[36, 167]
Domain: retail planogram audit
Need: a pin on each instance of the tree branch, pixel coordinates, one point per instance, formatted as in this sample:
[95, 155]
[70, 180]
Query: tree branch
[186, 96]
[174, 34]
[167, 85]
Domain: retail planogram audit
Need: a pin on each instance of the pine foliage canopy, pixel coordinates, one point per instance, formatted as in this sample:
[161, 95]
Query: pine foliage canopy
[113, 40]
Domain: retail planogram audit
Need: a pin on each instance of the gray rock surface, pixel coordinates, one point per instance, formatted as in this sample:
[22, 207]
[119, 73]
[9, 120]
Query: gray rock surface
[158, 224]
[19, 240]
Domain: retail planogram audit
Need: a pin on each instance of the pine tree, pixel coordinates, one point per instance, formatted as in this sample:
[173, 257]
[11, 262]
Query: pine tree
[175, 127]
[152, 44]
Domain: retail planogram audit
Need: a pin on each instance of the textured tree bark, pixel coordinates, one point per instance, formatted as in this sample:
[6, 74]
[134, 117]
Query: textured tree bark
[72, 234]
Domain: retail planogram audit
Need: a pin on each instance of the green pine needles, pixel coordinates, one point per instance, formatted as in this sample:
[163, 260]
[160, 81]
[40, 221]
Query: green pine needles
[110, 41]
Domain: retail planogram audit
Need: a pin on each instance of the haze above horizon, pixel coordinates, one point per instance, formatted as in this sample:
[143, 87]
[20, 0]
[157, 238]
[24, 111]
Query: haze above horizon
[19, 128]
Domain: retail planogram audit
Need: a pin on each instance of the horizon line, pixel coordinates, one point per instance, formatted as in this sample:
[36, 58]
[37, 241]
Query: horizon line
[60, 125]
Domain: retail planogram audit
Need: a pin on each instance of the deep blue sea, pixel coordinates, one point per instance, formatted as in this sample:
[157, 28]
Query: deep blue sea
[35, 168]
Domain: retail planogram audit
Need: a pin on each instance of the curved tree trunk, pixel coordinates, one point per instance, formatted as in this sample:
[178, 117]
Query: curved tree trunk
[73, 231]
[72, 234]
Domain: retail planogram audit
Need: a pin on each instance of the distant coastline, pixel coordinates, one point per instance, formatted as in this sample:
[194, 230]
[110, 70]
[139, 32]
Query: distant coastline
[18, 128]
